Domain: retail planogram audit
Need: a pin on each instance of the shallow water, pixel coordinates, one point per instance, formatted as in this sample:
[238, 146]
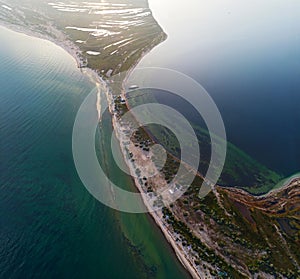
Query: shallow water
[50, 226]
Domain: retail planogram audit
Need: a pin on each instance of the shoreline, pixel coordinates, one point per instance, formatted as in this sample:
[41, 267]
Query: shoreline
[94, 77]
[153, 214]
[62, 42]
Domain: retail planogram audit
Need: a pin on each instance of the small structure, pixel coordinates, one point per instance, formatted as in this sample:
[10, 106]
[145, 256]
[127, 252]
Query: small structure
[109, 72]
[83, 63]
[171, 191]
[132, 87]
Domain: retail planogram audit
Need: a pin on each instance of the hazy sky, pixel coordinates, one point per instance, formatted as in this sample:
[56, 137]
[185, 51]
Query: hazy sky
[203, 25]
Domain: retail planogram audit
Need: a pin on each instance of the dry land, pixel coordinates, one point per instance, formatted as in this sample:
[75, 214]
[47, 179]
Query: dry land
[229, 233]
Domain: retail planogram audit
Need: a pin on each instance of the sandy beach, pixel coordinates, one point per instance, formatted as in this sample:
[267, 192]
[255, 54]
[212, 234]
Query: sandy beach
[74, 51]
[156, 215]
[126, 178]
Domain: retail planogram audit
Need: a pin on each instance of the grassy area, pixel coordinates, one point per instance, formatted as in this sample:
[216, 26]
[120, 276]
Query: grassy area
[222, 270]
[240, 170]
[120, 38]
[244, 235]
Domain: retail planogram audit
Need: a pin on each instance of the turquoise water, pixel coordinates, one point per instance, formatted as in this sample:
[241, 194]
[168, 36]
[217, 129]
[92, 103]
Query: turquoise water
[50, 227]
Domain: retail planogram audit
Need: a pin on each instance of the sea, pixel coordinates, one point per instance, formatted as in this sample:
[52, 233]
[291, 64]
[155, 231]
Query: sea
[246, 55]
[50, 226]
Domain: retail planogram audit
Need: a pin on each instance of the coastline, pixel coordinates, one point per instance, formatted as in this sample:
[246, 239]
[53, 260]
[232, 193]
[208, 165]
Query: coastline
[73, 50]
[94, 77]
[158, 218]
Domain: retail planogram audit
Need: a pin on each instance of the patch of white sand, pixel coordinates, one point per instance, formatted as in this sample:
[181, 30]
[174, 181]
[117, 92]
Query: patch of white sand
[93, 52]
[6, 7]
